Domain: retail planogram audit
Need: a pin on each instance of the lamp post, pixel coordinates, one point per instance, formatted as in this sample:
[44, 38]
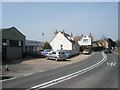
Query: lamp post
[43, 36]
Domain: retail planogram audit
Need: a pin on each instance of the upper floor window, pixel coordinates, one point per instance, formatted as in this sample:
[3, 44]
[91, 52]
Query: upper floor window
[85, 40]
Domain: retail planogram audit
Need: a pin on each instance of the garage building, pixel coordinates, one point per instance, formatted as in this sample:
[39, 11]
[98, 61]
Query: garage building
[13, 44]
[33, 46]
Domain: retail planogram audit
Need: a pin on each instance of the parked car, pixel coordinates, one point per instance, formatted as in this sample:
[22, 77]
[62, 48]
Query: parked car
[38, 54]
[45, 52]
[68, 55]
[56, 55]
[107, 50]
[71, 52]
[76, 53]
[86, 51]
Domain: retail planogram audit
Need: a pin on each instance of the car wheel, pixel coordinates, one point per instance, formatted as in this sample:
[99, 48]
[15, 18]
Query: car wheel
[64, 59]
[56, 59]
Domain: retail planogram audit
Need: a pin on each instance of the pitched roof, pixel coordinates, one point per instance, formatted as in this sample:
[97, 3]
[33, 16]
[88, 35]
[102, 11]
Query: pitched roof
[77, 38]
[5, 29]
[90, 37]
[66, 35]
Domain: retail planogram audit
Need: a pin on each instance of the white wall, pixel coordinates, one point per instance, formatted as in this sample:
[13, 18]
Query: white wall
[85, 41]
[59, 40]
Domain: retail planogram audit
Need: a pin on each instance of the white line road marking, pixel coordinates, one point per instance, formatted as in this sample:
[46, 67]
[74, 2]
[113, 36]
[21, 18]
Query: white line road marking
[28, 74]
[111, 63]
[8, 79]
[64, 78]
[14, 78]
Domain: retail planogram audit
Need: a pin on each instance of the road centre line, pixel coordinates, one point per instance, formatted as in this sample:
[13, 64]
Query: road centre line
[64, 78]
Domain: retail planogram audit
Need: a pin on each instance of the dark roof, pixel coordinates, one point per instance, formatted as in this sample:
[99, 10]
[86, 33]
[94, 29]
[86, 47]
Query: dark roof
[5, 29]
[67, 35]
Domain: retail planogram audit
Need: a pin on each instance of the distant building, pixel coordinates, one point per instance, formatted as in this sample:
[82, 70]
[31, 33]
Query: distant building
[84, 40]
[13, 44]
[104, 43]
[33, 46]
[63, 41]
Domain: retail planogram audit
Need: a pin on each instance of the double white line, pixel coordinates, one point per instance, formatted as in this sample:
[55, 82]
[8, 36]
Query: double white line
[67, 77]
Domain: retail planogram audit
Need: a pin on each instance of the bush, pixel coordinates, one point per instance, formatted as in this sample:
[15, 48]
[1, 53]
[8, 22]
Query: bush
[98, 48]
[91, 48]
[84, 47]
[47, 46]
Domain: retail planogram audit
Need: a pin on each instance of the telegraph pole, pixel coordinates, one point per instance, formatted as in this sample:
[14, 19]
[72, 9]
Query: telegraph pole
[43, 36]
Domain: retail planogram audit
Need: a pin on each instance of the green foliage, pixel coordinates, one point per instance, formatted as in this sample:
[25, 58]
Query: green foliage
[84, 47]
[111, 42]
[98, 48]
[47, 45]
[91, 48]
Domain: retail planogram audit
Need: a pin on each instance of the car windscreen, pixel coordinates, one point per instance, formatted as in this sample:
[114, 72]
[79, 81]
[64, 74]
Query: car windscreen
[62, 53]
[47, 50]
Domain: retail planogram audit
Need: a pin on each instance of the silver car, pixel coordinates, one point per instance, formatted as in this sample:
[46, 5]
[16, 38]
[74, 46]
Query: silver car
[86, 51]
[56, 55]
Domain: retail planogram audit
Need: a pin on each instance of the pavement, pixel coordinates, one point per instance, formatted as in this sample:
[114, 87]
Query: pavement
[27, 66]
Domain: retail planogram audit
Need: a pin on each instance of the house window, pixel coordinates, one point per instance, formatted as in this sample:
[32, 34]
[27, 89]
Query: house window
[20, 44]
[61, 46]
[85, 41]
[8, 42]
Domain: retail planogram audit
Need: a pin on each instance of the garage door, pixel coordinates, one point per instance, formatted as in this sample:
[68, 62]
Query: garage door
[14, 53]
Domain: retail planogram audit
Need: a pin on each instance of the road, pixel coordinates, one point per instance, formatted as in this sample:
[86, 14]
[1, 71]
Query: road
[97, 71]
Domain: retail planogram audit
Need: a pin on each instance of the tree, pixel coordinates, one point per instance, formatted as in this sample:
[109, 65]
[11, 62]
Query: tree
[111, 43]
[47, 45]
[118, 43]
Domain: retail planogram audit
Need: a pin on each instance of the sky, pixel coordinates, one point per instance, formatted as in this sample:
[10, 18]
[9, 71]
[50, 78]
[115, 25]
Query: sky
[34, 18]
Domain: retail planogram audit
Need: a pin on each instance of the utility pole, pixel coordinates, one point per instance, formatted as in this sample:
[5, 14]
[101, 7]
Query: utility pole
[43, 39]
[43, 36]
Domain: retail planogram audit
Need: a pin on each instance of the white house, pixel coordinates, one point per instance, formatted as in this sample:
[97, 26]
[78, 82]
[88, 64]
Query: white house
[84, 40]
[64, 41]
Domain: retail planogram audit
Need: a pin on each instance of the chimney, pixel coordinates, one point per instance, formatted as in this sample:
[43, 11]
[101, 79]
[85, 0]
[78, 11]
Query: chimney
[63, 32]
[90, 34]
[71, 35]
[56, 32]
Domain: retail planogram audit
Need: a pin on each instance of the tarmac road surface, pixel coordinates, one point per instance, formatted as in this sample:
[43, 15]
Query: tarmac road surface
[97, 71]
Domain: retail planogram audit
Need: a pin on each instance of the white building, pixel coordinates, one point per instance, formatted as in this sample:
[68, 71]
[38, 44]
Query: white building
[85, 41]
[33, 46]
[64, 41]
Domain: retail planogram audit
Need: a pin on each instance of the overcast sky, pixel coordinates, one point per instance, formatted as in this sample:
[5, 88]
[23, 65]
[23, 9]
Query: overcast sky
[35, 18]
